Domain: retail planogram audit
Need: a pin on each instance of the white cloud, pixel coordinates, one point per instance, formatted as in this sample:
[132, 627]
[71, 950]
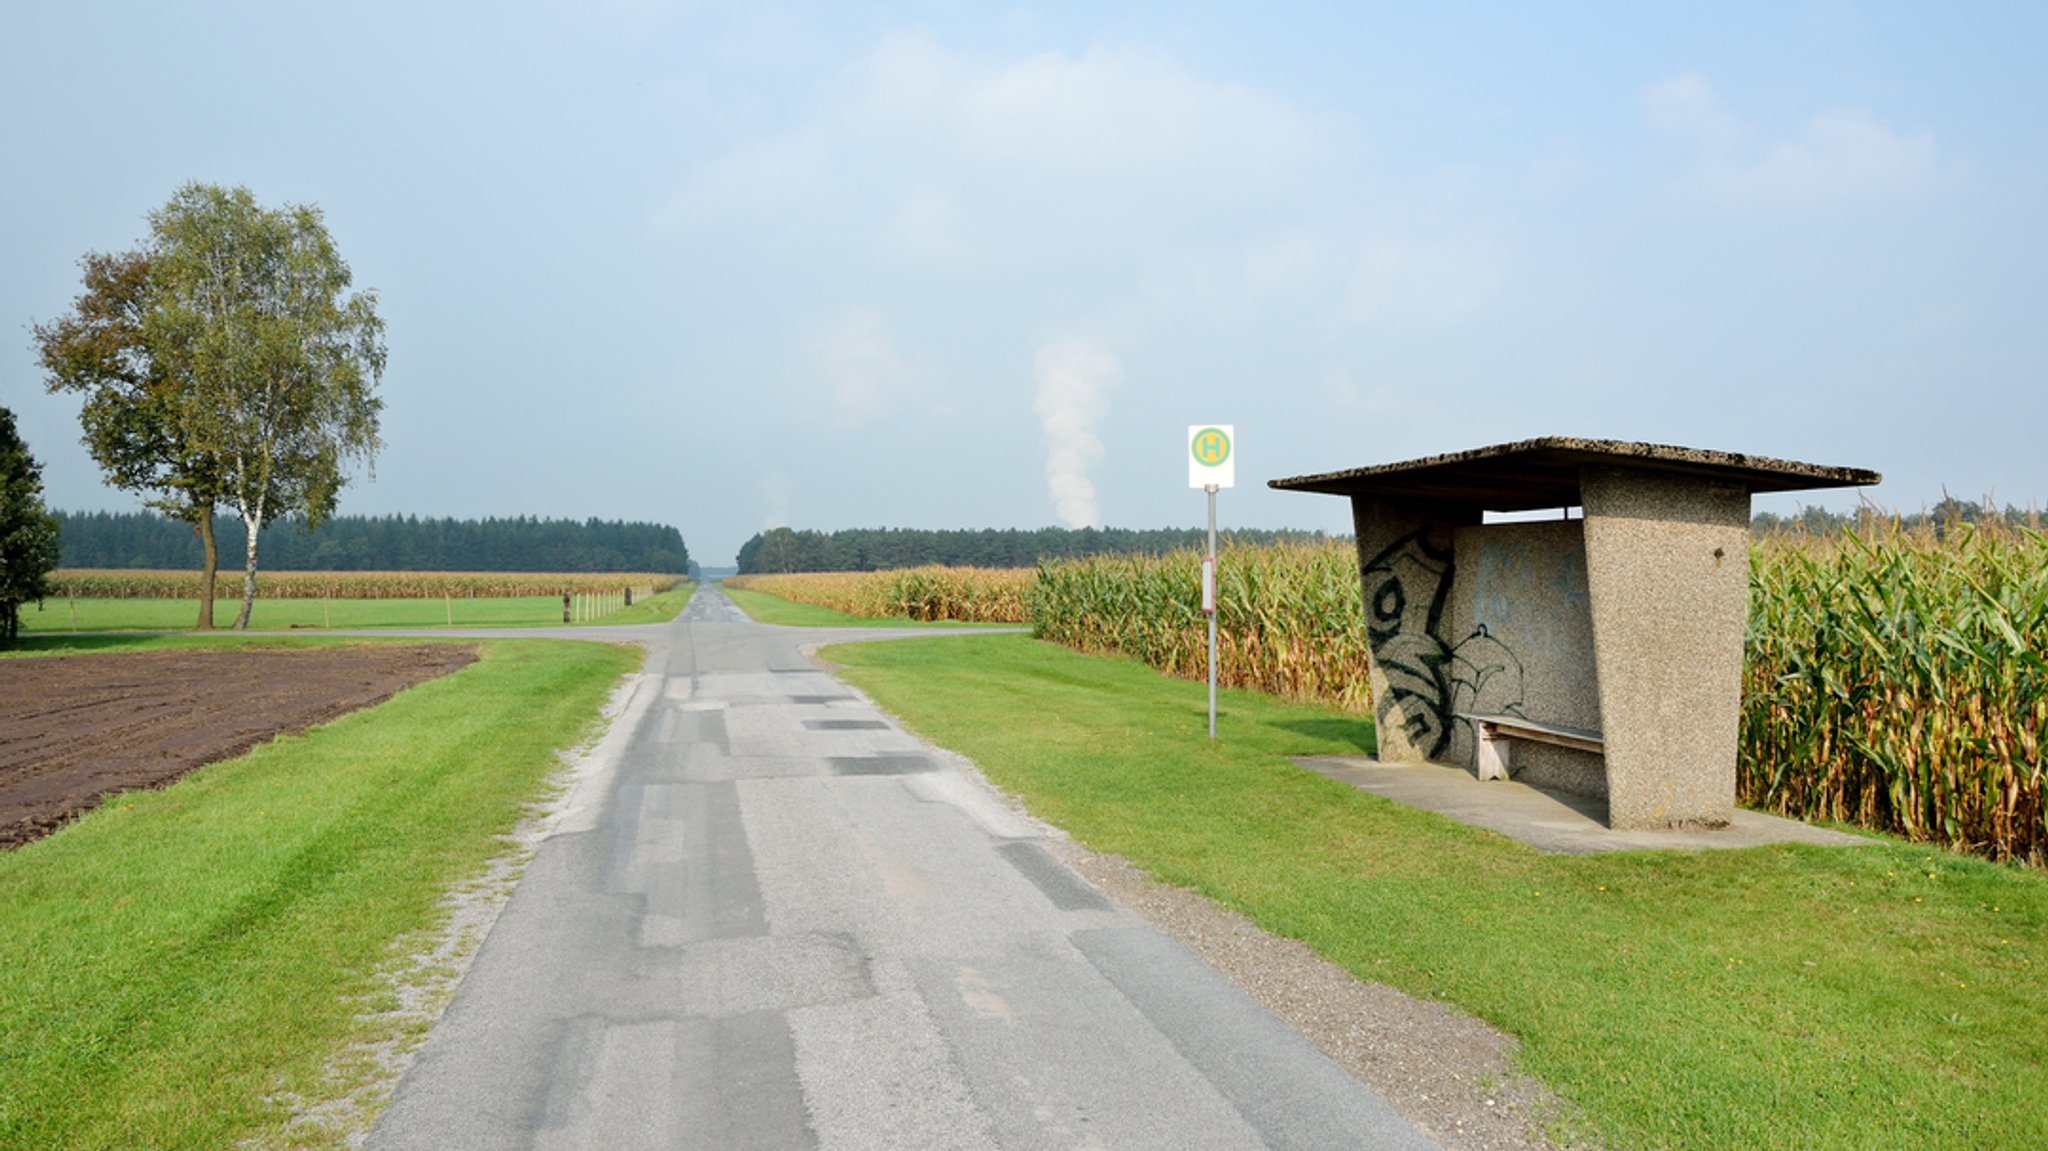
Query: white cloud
[776, 488]
[1421, 280]
[928, 225]
[865, 371]
[1838, 157]
[928, 208]
[1073, 382]
[774, 176]
[1288, 263]
[1686, 107]
[1110, 112]
[924, 154]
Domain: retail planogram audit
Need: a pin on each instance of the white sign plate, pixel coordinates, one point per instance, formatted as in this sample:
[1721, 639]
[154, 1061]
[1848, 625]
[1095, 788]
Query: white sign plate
[1212, 455]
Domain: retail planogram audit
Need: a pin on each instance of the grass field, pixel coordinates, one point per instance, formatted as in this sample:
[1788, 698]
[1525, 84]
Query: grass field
[1791, 997]
[59, 616]
[772, 609]
[177, 961]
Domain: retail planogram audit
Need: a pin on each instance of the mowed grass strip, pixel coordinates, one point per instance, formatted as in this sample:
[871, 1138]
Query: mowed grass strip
[660, 608]
[60, 616]
[1793, 997]
[773, 609]
[176, 961]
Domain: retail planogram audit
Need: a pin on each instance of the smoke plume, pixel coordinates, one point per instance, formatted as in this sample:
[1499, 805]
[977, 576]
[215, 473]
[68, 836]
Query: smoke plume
[1073, 378]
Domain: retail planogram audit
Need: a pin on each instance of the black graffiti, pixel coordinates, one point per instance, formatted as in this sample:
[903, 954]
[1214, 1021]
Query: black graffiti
[1429, 681]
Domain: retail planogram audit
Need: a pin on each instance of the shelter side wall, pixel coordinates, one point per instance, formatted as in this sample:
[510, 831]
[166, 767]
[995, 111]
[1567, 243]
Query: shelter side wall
[1522, 644]
[1406, 562]
[1667, 563]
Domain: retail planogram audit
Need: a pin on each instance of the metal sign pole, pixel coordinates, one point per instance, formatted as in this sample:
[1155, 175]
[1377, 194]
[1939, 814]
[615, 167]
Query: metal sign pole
[1212, 466]
[1212, 589]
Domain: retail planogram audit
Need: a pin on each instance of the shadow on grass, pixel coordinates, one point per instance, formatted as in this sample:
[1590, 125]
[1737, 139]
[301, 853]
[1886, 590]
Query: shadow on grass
[45, 644]
[1357, 733]
[165, 641]
[1351, 732]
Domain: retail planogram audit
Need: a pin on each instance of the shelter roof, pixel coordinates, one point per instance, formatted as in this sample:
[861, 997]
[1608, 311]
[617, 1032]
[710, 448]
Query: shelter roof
[1544, 473]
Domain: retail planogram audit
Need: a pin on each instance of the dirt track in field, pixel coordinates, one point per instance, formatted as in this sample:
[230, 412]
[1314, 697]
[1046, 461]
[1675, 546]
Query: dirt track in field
[75, 729]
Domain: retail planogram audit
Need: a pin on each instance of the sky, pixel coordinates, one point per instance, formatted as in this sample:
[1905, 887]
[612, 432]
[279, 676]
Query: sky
[947, 265]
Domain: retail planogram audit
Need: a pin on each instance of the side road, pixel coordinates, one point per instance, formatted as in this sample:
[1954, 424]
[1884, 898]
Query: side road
[773, 920]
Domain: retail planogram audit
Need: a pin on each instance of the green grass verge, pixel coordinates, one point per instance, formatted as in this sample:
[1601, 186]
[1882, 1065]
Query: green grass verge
[58, 616]
[1787, 997]
[773, 609]
[174, 962]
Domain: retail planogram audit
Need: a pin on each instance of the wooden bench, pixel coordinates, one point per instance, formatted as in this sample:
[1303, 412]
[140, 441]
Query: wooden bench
[1496, 730]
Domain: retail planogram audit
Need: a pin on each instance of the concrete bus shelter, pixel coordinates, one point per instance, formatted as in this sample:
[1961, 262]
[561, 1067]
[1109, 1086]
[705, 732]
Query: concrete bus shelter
[1598, 653]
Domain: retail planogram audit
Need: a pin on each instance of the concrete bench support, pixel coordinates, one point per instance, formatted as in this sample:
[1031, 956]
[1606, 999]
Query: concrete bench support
[1495, 732]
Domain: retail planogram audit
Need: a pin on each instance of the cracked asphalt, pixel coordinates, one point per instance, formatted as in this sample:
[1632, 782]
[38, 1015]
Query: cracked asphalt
[768, 918]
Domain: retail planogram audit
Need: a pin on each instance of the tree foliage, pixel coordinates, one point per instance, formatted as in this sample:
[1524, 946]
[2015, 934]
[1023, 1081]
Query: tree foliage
[386, 543]
[276, 362]
[28, 533]
[1942, 518]
[224, 363]
[881, 549]
[133, 413]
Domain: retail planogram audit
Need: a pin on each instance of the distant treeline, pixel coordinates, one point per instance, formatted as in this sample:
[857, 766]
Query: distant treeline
[882, 549]
[1940, 518]
[377, 543]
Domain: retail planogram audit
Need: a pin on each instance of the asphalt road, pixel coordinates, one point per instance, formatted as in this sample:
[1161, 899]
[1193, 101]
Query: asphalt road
[769, 919]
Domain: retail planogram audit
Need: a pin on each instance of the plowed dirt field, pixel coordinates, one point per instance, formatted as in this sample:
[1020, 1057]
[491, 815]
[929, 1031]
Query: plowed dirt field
[75, 729]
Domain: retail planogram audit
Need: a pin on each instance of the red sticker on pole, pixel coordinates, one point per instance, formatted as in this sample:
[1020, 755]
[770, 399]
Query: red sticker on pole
[1209, 585]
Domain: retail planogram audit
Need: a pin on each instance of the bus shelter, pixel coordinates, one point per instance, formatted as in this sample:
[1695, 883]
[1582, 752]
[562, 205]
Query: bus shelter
[1597, 650]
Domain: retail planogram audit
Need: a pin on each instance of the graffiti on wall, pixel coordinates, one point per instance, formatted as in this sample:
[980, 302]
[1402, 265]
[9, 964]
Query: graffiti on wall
[1430, 679]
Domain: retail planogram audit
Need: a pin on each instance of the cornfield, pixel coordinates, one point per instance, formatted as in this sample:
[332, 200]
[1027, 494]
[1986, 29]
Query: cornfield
[966, 595]
[1289, 619]
[90, 583]
[1899, 681]
[1895, 680]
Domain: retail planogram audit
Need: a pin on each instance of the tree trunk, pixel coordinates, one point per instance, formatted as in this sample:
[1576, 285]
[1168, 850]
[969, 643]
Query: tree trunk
[209, 564]
[254, 524]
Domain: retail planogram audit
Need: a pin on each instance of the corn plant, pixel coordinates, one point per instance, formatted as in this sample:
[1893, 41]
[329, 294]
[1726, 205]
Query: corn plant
[1899, 680]
[967, 595]
[1289, 617]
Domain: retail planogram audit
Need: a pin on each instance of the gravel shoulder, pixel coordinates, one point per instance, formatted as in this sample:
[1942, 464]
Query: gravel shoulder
[1451, 1075]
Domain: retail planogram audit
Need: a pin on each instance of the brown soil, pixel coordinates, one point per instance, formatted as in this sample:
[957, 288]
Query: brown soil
[75, 729]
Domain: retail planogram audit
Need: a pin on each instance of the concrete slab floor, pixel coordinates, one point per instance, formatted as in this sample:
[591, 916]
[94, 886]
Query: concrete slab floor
[1553, 821]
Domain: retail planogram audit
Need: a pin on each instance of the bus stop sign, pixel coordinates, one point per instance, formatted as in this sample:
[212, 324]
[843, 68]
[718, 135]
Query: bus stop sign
[1212, 455]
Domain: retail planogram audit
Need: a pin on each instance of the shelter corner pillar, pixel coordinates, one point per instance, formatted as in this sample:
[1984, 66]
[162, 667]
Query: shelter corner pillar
[1406, 561]
[1667, 567]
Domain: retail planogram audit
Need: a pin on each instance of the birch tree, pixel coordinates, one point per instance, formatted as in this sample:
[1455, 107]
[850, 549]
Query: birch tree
[273, 362]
